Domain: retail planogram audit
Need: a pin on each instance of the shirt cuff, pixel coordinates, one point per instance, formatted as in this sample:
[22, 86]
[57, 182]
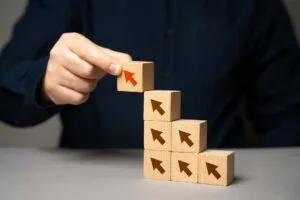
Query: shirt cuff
[33, 88]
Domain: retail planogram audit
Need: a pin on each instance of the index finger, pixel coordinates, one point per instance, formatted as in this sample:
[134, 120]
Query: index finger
[90, 52]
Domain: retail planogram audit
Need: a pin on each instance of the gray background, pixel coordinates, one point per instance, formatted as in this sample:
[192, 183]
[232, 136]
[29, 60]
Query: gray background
[47, 134]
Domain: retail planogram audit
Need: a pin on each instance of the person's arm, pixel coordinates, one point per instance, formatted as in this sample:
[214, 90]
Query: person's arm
[274, 97]
[24, 59]
[47, 59]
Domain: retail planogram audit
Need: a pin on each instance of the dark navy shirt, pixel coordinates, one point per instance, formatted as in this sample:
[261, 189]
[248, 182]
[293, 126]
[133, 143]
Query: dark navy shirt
[217, 52]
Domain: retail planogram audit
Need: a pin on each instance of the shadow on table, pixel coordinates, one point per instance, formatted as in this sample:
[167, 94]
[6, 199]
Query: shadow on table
[239, 180]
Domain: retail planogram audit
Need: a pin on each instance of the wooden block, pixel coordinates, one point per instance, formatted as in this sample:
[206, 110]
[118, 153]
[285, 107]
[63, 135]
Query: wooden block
[189, 135]
[162, 105]
[137, 76]
[216, 167]
[184, 167]
[157, 165]
[157, 135]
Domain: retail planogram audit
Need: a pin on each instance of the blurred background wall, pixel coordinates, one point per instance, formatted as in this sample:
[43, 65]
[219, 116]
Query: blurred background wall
[47, 134]
[44, 135]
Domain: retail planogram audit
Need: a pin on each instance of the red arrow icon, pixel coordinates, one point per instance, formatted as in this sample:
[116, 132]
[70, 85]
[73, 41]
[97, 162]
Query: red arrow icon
[156, 164]
[156, 135]
[212, 169]
[183, 166]
[156, 105]
[184, 137]
[129, 77]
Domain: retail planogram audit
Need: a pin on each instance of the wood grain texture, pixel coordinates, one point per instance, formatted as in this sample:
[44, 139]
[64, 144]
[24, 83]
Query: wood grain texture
[162, 105]
[157, 135]
[157, 165]
[137, 76]
[189, 135]
[216, 167]
[184, 167]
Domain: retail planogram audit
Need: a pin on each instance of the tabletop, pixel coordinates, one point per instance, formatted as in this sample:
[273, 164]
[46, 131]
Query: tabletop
[54, 174]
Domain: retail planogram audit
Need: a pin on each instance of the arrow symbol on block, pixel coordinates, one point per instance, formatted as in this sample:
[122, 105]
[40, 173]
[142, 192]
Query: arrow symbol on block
[212, 169]
[129, 77]
[156, 164]
[184, 137]
[183, 166]
[156, 105]
[156, 135]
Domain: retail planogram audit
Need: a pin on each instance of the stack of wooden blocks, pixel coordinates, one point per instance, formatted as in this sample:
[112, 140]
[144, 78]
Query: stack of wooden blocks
[175, 148]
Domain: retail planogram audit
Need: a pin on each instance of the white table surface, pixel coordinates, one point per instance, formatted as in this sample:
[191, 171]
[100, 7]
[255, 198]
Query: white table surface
[42, 174]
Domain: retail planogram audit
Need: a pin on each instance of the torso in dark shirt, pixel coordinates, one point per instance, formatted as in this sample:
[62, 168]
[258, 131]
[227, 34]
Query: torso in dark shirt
[217, 52]
[198, 48]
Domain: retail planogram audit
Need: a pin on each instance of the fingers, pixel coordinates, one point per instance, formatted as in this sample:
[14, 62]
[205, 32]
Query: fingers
[64, 94]
[76, 83]
[79, 67]
[89, 52]
[122, 57]
[75, 66]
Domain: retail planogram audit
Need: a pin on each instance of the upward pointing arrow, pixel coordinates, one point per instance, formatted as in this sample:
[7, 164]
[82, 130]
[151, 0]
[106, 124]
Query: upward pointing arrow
[156, 164]
[156, 105]
[212, 169]
[156, 135]
[129, 77]
[184, 137]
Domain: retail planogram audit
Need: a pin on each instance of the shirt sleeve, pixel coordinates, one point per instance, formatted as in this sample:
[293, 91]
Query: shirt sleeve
[23, 60]
[274, 94]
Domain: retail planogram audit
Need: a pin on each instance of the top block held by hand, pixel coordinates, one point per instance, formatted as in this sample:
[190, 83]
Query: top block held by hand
[136, 76]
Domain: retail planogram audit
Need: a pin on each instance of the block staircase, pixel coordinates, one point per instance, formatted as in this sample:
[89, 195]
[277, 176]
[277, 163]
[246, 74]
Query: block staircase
[175, 149]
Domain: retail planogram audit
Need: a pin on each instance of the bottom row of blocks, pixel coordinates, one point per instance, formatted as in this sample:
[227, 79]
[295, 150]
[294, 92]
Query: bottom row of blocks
[212, 167]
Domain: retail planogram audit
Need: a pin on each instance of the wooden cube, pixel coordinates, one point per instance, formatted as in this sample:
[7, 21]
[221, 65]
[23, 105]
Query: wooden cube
[184, 167]
[157, 135]
[157, 165]
[162, 105]
[216, 167]
[137, 76]
[189, 135]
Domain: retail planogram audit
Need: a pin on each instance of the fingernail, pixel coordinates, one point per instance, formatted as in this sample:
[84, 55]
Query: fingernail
[115, 69]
